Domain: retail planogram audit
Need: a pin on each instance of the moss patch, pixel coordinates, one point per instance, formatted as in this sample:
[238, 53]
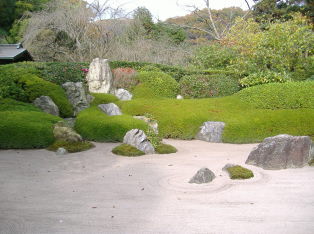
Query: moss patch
[165, 149]
[103, 98]
[127, 150]
[71, 147]
[311, 163]
[238, 172]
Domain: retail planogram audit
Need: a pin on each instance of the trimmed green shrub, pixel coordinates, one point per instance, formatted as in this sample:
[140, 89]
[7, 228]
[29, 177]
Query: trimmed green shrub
[150, 68]
[165, 149]
[144, 91]
[71, 147]
[238, 172]
[103, 98]
[159, 83]
[290, 95]
[94, 125]
[127, 150]
[264, 77]
[26, 129]
[22, 85]
[202, 86]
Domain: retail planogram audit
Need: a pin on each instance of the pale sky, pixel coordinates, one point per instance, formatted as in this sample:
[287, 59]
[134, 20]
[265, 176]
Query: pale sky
[163, 9]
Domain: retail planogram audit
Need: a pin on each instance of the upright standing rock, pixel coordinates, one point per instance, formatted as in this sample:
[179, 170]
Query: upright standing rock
[123, 94]
[99, 76]
[211, 132]
[281, 152]
[138, 139]
[76, 95]
[47, 105]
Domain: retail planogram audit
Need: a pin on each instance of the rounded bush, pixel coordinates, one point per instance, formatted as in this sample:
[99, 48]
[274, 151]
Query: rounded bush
[290, 95]
[103, 98]
[158, 84]
[203, 86]
[264, 77]
[94, 125]
[127, 150]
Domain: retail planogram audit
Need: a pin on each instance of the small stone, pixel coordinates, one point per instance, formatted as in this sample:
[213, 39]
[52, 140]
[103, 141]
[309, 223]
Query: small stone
[228, 165]
[204, 175]
[47, 105]
[123, 94]
[179, 97]
[110, 109]
[211, 132]
[61, 151]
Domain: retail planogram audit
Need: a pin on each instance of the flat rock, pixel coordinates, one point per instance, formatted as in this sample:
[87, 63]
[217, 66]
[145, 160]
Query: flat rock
[211, 132]
[76, 95]
[123, 94]
[110, 109]
[99, 76]
[47, 105]
[138, 139]
[281, 152]
[202, 176]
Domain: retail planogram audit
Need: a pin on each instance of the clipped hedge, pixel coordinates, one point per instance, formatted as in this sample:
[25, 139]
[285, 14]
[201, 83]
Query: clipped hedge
[290, 95]
[23, 85]
[203, 86]
[155, 84]
[94, 125]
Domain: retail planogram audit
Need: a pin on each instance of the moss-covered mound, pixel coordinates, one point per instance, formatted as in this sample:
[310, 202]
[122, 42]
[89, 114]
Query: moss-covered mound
[24, 85]
[127, 150]
[289, 95]
[71, 147]
[94, 125]
[165, 149]
[103, 98]
[238, 172]
[311, 163]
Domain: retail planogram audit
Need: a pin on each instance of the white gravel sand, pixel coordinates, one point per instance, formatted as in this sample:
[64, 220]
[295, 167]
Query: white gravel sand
[98, 192]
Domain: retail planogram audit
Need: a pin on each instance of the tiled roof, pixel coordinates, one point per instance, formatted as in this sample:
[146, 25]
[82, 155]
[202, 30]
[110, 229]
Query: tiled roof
[11, 51]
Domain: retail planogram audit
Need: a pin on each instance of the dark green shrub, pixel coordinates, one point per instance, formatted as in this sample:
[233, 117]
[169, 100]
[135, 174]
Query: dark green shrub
[71, 147]
[150, 68]
[159, 83]
[26, 129]
[264, 77]
[103, 98]
[23, 85]
[94, 125]
[165, 149]
[238, 172]
[127, 150]
[290, 95]
[202, 86]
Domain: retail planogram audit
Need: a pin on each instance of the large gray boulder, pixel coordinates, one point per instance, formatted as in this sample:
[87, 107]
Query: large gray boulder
[123, 94]
[46, 104]
[138, 139]
[153, 124]
[204, 175]
[110, 109]
[76, 95]
[211, 132]
[281, 152]
[99, 76]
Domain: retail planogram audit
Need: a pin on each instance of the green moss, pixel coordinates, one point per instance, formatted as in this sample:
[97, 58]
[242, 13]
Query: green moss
[290, 95]
[244, 124]
[26, 129]
[71, 147]
[127, 150]
[8, 104]
[238, 172]
[165, 149]
[311, 162]
[94, 125]
[103, 98]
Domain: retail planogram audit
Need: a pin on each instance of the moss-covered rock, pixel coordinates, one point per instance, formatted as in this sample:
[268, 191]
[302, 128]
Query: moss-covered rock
[127, 150]
[71, 147]
[165, 149]
[238, 172]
